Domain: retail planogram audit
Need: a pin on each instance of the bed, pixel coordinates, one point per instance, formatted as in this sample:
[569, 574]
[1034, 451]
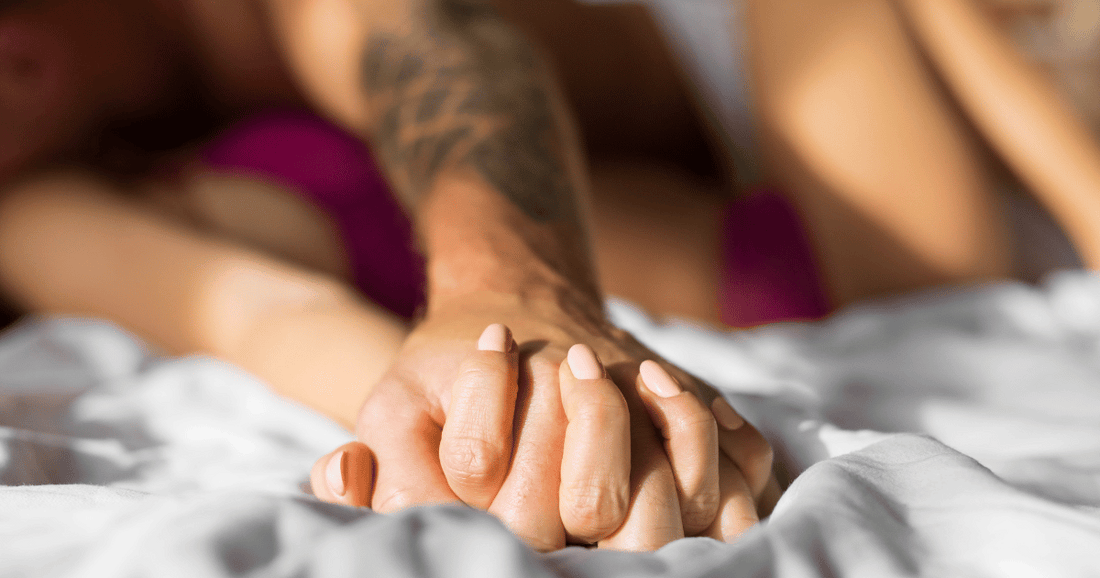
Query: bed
[945, 434]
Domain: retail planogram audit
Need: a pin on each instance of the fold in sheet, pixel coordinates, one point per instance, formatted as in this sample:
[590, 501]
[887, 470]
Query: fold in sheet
[117, 462]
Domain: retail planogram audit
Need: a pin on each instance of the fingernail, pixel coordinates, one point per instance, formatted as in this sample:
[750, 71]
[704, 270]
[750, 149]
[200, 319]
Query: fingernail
[657, 380]
[583, 362]
[725, 415]
[336, 473]
[496, 337]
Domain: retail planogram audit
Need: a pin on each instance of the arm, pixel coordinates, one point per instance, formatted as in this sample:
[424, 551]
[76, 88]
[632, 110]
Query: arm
[469, 127]
[72, 244]
[463, 116]
[1024, 117]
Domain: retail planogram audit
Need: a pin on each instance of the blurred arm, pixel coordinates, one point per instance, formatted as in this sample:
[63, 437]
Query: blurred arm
[70, 244]
[1021, 112]
[470, 129]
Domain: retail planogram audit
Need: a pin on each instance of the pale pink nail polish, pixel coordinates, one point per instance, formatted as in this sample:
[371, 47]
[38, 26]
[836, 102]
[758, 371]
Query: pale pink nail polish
[336, 473]
[657, 380]
[496, 337]
[725, 415]
[583, 362]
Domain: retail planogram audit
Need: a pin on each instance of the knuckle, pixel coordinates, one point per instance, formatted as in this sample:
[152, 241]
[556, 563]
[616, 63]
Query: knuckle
[754, 456]
[602, 405]
[593, 509]
[737, 525]
[479, 371]
[384, 406]
[470, 461]
[691, 419]
[760, 453]
[371, 413]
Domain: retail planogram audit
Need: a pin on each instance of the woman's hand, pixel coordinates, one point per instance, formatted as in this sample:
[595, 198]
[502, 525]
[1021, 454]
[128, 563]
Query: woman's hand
[574, 447]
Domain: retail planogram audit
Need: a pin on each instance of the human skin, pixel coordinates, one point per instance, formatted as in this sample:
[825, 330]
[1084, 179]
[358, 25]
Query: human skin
[595, 410]
[192, 280]
[858, 105]
[1068, 200]
[189, 280]
[896, 191]
[1024, 116]
[492, 235]
[475, 138]
[937, 226]
[892, 122]
[544, 270]
[972, 245]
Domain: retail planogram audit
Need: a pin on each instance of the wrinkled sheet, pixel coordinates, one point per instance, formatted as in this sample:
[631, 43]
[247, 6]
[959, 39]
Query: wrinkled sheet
[950, 434]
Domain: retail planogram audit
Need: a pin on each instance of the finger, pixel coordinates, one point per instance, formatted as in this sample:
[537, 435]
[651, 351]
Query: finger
[691, 441]
[476, 444]
[653, 518]
[405, 441]
[345, 476]
[772, 492]
[595, 466]
[528, 500]
[736, 508]
[743, 444]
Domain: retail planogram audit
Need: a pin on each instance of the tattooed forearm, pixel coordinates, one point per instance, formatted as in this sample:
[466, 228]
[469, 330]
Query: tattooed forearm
[465, 93]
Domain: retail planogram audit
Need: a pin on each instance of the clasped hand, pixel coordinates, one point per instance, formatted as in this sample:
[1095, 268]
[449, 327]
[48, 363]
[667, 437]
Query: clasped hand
[569, 432]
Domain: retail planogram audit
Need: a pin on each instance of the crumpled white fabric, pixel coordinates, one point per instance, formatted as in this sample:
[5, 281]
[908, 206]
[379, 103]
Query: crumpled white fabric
[117, 462]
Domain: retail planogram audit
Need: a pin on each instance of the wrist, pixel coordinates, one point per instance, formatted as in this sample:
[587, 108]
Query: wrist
[475, 244]
[525, 277]
[534, 299]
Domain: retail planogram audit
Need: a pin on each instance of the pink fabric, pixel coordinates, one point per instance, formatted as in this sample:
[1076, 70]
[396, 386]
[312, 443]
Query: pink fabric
[769, 271]
[336, 172]
[769, 274]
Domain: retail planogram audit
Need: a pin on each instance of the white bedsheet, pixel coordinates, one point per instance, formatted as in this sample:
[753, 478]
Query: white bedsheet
[115, 462]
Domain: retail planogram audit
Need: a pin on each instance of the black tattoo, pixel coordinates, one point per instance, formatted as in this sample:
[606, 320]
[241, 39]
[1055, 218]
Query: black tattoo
[431, 105]
[466, 93]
